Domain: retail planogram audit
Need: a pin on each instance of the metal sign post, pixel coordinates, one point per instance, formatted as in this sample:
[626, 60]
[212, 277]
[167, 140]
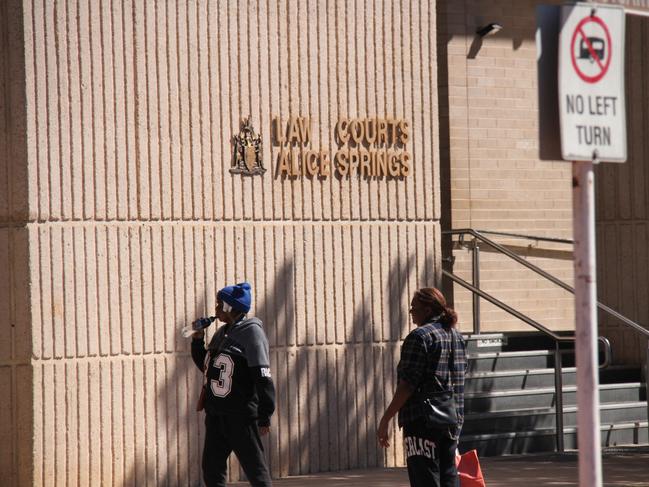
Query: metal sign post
[588, 54]
[593, 127]
[588, 420]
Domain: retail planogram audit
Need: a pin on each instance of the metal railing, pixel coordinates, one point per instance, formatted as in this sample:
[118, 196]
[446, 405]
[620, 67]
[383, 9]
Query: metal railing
[558, 339]
[478, 236]
[526, 237]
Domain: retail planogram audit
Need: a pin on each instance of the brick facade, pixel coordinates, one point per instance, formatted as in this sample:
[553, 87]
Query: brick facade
[496, 180]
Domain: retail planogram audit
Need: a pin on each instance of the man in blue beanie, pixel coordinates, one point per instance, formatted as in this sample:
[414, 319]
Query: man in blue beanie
[238, 394]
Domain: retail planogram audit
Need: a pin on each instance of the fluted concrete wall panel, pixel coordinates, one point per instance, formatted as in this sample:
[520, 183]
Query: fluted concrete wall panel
[118, 387]
[135, 221]
[131, 420]
[109, 290]
[133, 105]
[16, 428]
[15, 348]
[6, 295]
[4, 110]
[13, 140]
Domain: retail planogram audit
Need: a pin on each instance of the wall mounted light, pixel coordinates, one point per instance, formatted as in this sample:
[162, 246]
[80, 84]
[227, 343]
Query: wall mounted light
[489, 29]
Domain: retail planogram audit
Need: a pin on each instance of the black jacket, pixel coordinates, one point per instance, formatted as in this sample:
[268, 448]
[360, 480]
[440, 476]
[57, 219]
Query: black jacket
[236, 367]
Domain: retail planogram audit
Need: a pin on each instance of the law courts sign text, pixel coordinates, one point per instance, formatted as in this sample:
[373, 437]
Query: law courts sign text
[369, 147]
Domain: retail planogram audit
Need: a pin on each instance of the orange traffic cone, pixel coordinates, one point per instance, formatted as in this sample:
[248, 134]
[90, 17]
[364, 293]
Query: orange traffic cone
[469, 471]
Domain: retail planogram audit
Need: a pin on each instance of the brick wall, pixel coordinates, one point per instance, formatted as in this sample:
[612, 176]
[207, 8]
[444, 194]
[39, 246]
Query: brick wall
[496, 180]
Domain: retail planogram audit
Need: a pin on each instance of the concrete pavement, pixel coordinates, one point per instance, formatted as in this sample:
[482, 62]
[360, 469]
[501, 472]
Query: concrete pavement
[622, 468]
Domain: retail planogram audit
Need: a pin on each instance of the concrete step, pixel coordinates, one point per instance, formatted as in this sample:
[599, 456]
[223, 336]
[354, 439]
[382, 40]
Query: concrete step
[521, 342]
[515, 379]
[509, 397]
[477, 402]
[530, 419]
[534, 378]
[543, 439]
[502, 361]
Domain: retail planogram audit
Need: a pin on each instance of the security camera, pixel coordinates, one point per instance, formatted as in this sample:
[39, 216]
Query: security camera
[489, 29]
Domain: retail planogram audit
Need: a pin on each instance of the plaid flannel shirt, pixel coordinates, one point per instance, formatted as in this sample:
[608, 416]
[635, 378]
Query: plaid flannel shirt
[424, 364]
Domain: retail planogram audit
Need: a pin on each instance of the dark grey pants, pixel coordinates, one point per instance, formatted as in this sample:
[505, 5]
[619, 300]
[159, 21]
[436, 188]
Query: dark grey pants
[430, 456]
[227, 434]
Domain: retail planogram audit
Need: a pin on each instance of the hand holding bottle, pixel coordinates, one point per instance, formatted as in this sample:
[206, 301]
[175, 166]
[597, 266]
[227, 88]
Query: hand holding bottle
[198, 325]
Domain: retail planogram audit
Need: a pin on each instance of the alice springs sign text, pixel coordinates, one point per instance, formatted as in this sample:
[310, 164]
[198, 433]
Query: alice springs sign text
[367, 147]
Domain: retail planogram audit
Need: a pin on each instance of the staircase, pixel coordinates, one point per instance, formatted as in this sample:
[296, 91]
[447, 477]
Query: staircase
[510, 397]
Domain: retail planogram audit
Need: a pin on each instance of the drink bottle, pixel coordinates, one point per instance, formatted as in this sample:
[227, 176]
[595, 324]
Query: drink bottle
[197, 325]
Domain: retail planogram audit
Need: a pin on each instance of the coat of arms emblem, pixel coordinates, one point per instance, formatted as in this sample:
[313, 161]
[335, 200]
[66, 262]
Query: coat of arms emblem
[247, 151]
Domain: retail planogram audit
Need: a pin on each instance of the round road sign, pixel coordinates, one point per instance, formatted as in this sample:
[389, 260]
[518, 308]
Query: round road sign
[590, 49]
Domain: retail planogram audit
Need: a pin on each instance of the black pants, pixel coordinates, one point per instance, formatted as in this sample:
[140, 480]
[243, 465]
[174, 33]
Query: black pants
[430, 457]
[227, 434]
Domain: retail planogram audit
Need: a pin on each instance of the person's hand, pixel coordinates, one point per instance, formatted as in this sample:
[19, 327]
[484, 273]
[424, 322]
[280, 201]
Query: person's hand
[264, 430]
[382, 432]
[198, 334]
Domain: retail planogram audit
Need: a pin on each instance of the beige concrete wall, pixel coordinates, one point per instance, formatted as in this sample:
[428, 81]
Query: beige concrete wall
[622, 194]
[496, 180]
[13, 169]
[135, 221]
[17, 397]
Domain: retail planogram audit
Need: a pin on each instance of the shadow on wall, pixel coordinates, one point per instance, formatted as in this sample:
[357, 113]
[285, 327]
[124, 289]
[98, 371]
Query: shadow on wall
[185, 446]
[348, 386]
[329, 396]
[474, 49]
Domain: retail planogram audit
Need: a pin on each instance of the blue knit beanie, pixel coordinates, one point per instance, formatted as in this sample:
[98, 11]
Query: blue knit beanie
[237, 296]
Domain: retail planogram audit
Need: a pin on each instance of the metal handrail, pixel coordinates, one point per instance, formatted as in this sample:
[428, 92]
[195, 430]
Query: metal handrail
[527, 237]
[507, 308]
[535, 324]
[558, 374]
[477, 293]
[479, 236]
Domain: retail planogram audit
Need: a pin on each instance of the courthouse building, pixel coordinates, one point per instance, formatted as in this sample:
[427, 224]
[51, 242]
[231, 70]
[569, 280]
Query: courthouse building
[152, 152]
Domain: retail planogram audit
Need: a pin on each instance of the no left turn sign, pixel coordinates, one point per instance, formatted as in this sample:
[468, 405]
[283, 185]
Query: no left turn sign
[591, 83]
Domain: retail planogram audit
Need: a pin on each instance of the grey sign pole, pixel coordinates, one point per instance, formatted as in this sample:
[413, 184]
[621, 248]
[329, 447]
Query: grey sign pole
[586, 42]
[591, 74]
[588, 419]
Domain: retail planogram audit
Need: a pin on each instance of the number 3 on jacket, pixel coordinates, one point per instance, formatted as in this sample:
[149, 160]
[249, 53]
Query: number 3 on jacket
[221, 387]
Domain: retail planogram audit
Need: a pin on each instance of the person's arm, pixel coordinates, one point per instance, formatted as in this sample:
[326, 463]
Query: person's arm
[266, 393]
[258, 357]
[198, 350]
[401, 395]
[409, 374]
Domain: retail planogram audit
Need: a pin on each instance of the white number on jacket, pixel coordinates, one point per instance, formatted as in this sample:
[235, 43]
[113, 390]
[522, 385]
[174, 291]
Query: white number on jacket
[221, 387]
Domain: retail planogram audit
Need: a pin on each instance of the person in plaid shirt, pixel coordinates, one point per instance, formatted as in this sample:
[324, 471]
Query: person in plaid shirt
[424, 367]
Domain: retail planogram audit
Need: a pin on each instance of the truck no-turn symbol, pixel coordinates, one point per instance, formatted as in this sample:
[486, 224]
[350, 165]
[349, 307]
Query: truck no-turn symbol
[590, 49]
